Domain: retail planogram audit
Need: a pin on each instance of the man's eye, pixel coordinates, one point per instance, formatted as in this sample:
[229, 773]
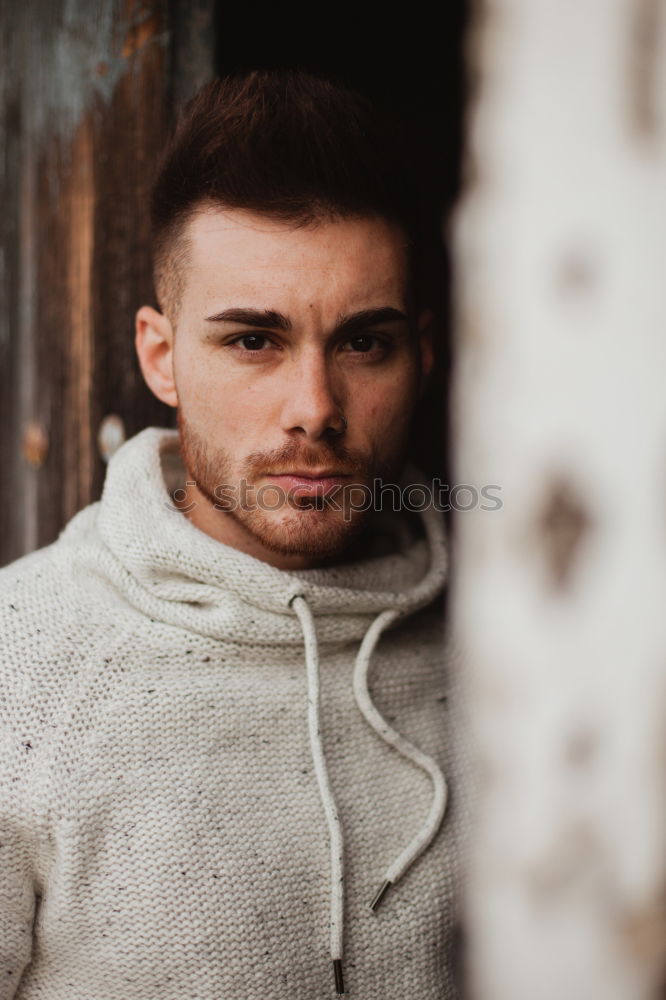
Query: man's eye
[251, 342]
[365, 343]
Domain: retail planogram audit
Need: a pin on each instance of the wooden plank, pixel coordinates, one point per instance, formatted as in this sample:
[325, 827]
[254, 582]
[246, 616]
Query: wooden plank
[87, 93]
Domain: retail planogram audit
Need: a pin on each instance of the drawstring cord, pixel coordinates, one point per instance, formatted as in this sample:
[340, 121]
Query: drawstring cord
[422, 839]
[424, 836]
[302, 609]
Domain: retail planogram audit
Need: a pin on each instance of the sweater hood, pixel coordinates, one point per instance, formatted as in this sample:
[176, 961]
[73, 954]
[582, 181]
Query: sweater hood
[176, 573]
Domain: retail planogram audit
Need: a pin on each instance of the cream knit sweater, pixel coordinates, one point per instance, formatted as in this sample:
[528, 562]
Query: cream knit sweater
[165, 830]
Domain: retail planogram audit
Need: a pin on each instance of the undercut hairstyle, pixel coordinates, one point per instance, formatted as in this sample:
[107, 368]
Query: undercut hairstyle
[287, 144]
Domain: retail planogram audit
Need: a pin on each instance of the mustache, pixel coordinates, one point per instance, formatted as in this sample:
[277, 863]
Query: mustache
[347, 462]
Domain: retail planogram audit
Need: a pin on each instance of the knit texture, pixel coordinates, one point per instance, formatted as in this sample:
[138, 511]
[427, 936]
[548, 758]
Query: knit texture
[161, 831]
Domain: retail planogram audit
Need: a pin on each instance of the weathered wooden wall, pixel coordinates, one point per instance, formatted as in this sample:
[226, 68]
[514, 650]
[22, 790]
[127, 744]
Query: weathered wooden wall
[560, 594]
[87, 92]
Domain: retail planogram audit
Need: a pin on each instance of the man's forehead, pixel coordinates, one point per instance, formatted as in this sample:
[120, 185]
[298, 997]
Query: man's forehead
[261, 240]
[240, 253]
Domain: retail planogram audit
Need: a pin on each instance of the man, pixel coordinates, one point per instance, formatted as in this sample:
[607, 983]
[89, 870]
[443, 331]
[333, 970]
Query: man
[225, 689]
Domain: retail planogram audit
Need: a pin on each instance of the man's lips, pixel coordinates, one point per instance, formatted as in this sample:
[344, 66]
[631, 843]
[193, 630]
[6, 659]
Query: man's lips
[299, 484]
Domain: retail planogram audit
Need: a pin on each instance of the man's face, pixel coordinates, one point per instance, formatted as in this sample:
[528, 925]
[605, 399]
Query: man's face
[283, 331]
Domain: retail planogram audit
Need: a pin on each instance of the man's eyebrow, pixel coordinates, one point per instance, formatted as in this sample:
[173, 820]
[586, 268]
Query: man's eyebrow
[269, 318]
[369, 317]
[252, 317]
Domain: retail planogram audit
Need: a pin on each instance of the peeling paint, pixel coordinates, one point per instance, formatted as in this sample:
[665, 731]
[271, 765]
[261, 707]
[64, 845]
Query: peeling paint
[574, 862]
[581, 748]
[643, 930]
[577, 273]
[562, 524]
[643, 56]
[35, 444]
[73, 55]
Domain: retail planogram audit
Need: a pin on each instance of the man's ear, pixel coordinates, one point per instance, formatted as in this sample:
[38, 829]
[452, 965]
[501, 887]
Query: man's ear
[154, 348]
[427, 353]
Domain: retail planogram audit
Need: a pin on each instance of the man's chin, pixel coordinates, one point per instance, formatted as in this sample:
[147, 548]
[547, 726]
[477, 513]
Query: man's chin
[308, 531]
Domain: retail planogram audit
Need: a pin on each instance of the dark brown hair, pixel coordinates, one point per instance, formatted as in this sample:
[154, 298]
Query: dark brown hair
[284, 143]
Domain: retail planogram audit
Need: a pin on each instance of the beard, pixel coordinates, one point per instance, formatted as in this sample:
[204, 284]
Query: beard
[299, 525]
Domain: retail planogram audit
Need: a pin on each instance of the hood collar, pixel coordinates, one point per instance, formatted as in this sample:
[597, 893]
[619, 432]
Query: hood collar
[174, 571]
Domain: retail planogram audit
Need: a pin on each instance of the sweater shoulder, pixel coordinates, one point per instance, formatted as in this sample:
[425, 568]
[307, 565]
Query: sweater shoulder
[44, 586]
[53, 613]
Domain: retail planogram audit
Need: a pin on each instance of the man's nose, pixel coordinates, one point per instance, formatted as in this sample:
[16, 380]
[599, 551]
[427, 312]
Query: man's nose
[314, 403]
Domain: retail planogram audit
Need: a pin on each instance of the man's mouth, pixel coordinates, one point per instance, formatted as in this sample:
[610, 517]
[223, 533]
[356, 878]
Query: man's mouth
[310, 484]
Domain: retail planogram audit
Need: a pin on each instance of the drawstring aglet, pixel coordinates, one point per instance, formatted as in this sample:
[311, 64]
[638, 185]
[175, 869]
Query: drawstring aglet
[337, 972]
[379, 895]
